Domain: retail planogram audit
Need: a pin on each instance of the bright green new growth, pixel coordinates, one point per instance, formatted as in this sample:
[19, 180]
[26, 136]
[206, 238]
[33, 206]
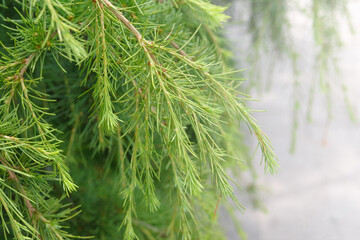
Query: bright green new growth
[143, 103]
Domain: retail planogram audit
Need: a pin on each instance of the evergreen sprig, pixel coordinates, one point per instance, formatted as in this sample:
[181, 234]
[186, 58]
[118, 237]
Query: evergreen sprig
[144, 100]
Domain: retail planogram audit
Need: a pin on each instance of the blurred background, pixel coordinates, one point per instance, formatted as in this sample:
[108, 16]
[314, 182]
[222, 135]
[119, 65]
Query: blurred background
[311, 116]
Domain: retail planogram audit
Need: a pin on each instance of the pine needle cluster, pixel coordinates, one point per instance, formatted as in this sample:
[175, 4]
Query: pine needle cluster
[136, 97]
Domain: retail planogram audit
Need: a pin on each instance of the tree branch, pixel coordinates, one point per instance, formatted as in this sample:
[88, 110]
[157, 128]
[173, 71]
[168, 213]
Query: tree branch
[143, 42]
[20, 76]
[13, 177]
[33, 212]
[26, 64]
[123, 19]
[182, 52]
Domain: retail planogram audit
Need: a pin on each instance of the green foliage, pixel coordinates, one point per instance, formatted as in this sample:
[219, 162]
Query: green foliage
[142, 99]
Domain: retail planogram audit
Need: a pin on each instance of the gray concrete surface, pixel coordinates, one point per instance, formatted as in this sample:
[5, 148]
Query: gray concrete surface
[316, 195]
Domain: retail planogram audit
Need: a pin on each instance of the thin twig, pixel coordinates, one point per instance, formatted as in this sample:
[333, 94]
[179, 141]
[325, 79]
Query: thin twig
[26, 64]
[182, 52]
[123, 19]
[13, 177]
[217, 205]
[119, 15]
[31, 209]
[10, 65]
[17, 140]
[21, 78]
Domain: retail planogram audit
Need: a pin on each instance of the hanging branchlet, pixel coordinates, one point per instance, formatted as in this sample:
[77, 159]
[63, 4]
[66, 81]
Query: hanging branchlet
[29, 150]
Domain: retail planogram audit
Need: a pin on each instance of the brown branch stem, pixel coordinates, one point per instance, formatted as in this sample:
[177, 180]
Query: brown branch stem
[123, 19]
[217, 205]
[119, 15]
[20, 76]
[26, 64]
[182, 52]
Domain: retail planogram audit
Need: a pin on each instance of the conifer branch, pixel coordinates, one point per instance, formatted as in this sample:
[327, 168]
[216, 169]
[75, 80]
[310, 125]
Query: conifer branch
[143, 42]
[182, 52]
[13, 177]
[25, 91]
[271, 164]
[103, 89]
[44, 134]
[18, 76]
[33, 212]
[24, 68]
[123, 19]
[191, 181]
[167, 155]
[35, 215]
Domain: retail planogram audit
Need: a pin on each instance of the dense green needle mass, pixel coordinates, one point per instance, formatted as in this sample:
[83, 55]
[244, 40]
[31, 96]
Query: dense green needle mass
[118, 120]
